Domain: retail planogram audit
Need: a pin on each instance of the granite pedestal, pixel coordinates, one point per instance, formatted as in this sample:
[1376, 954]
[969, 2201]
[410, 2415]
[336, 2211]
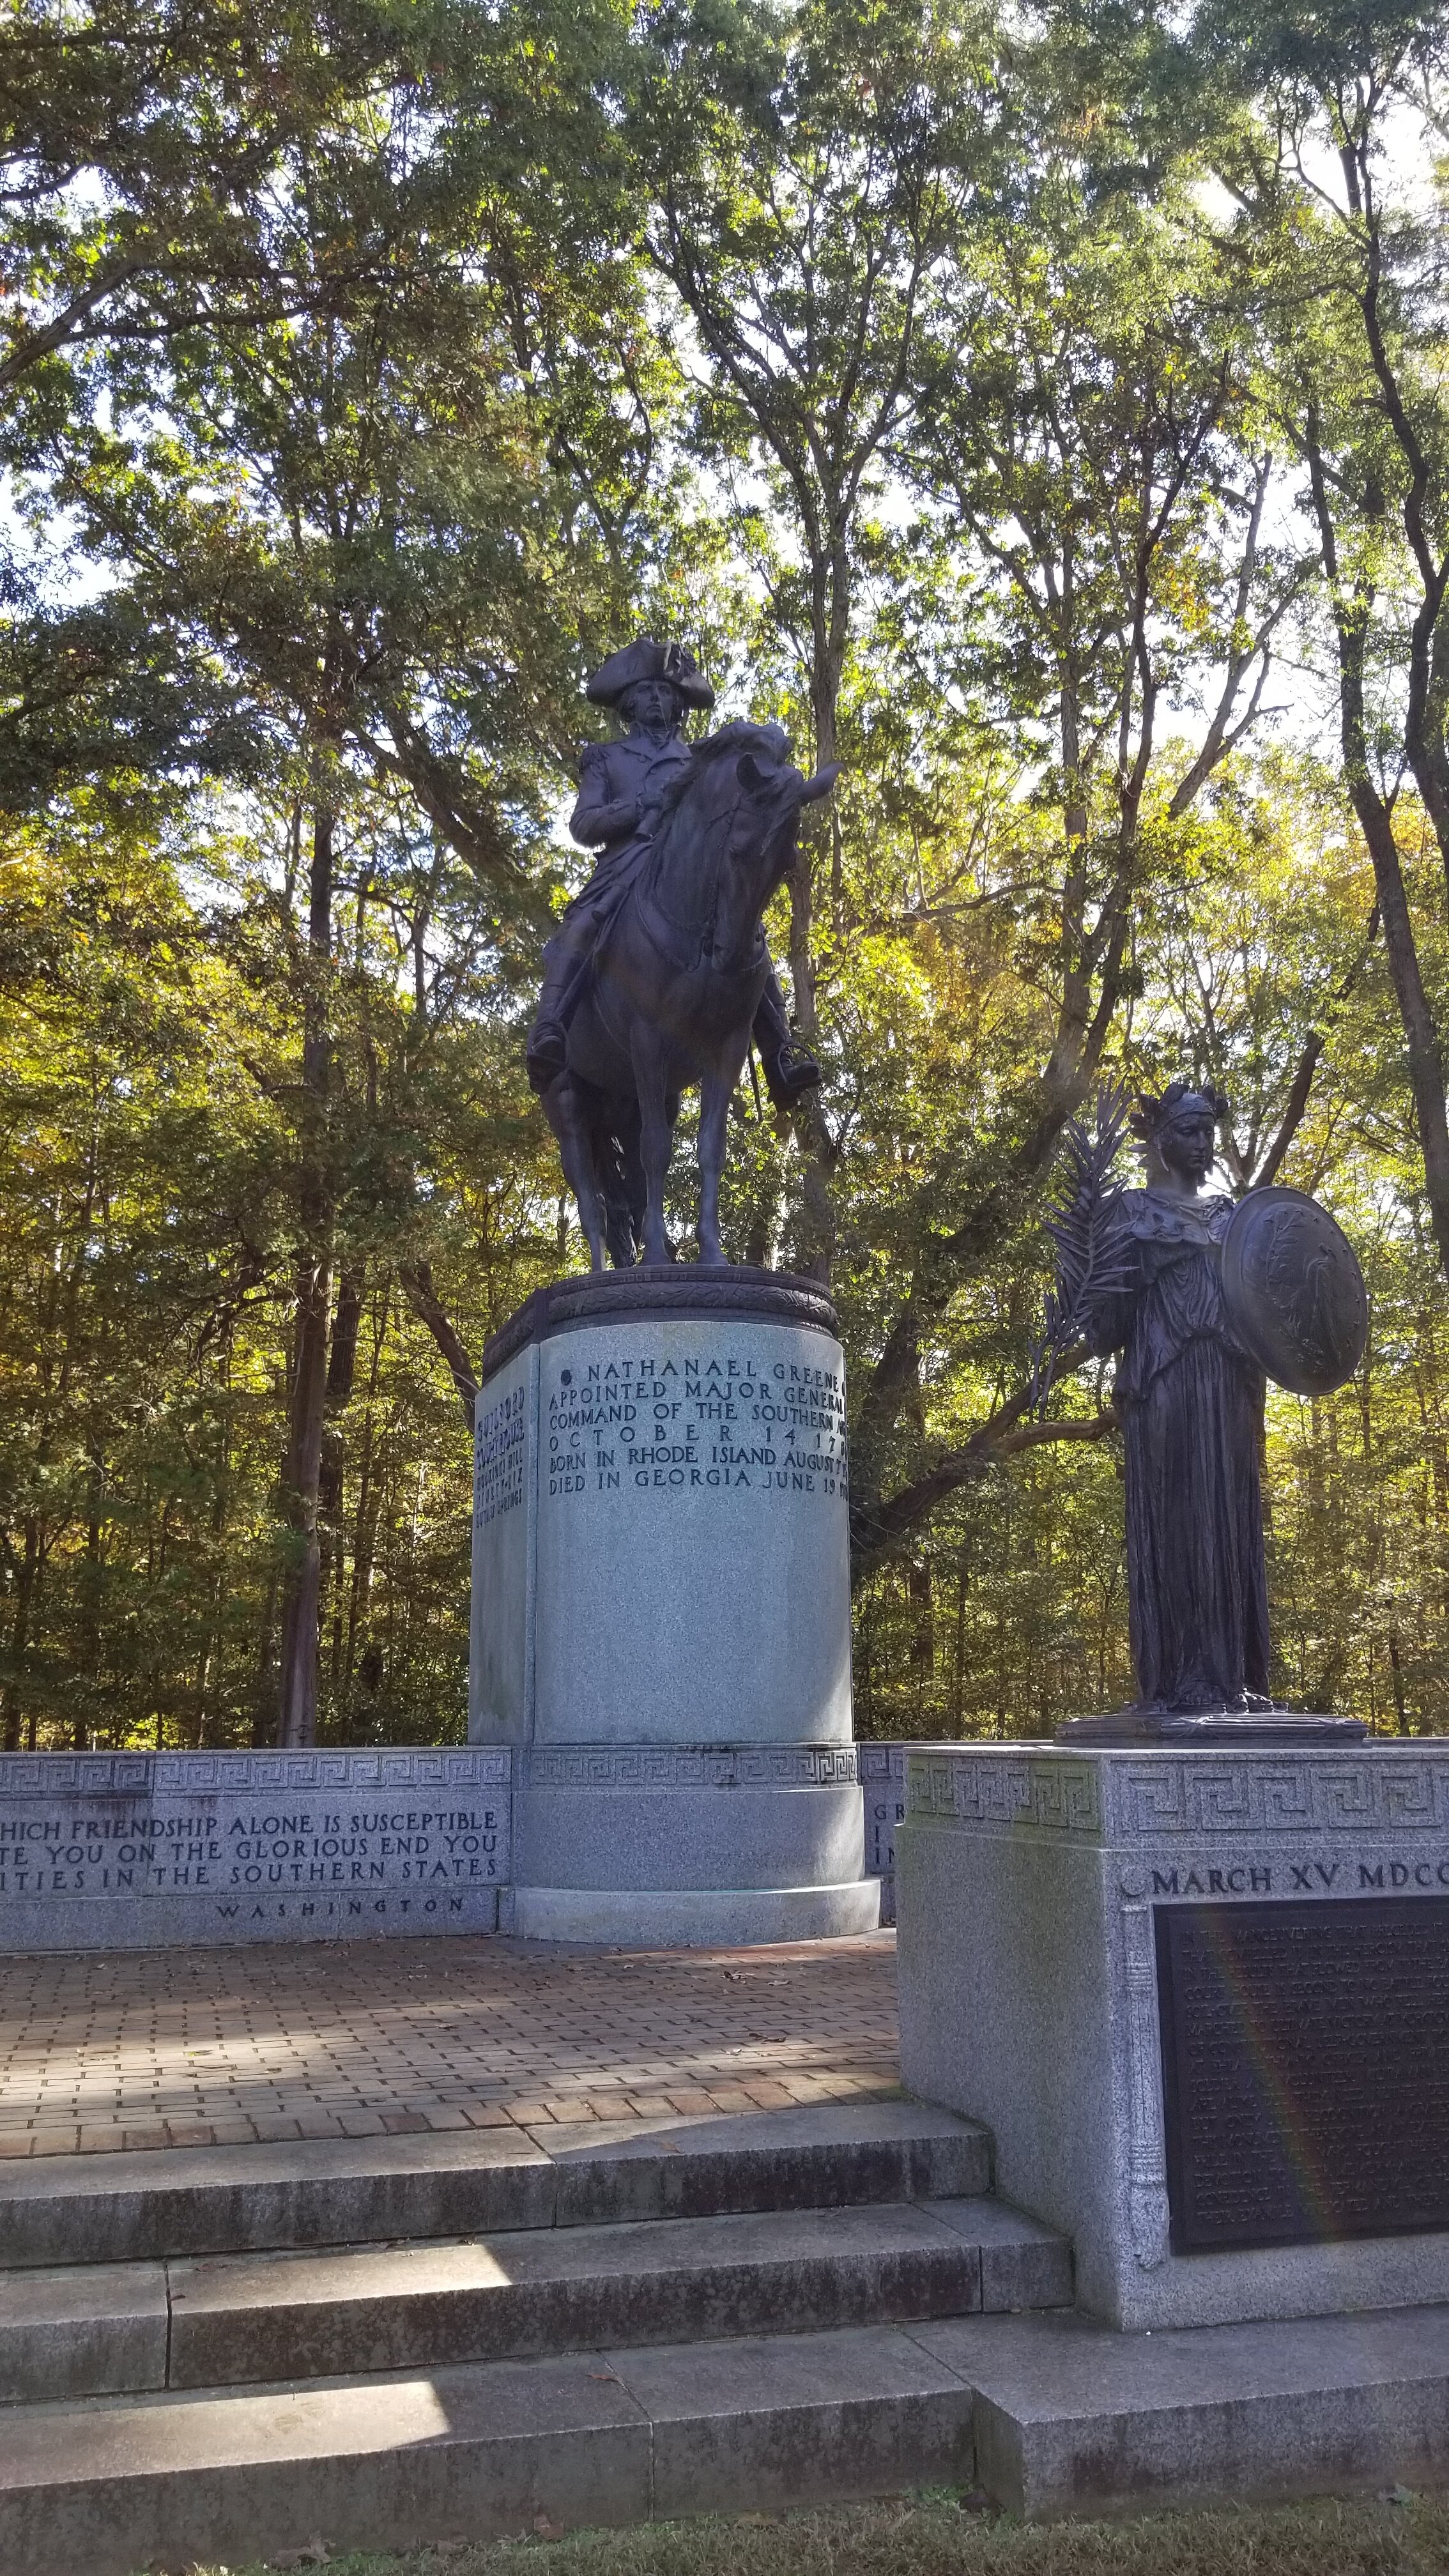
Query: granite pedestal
[661, 1610]
[1201, 1999]
[138, 1851]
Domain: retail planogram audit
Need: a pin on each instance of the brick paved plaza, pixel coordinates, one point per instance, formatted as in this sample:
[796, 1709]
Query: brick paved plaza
[224, 2047]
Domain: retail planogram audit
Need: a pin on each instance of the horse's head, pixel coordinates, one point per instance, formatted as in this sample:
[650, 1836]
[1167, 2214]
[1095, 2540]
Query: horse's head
[773, 792]
[730, 836]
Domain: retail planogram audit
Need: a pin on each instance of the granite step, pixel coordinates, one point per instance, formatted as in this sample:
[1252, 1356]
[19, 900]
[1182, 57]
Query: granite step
[350, 2191]
[1051, 2414]
[1073, 2415]
[226, 2320]
[87, 2330]
[591, 2438]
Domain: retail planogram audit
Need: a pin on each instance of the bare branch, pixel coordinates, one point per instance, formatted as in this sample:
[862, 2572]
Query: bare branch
[417, 1280]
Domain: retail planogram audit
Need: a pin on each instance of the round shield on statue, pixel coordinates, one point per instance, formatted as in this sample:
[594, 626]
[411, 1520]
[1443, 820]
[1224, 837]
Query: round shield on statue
[1294, 1291]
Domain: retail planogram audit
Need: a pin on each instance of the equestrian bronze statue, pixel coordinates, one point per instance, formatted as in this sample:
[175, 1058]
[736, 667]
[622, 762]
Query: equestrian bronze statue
[658, 976]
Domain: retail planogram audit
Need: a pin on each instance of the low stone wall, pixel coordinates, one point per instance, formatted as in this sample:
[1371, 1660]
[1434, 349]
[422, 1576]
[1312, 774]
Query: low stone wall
[135, 1851]
[883, 1779]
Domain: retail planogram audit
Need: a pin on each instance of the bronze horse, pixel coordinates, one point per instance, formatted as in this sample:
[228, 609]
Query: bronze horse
[676, 982]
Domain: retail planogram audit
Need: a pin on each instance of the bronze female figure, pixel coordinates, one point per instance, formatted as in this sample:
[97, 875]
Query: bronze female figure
[1191, 1398]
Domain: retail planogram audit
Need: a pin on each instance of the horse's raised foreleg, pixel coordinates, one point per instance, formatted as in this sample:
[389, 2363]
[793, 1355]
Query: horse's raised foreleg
[656, 1133]
[714, 1105]
[569, 1120]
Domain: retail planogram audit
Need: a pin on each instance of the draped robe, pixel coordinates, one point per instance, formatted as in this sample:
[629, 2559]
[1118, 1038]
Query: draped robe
[1191, 1399]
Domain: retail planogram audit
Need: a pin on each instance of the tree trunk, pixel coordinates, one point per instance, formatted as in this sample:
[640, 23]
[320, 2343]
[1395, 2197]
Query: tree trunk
[302, 1479]
[1351, 612]
[20, 1633]
[91, 1599]
[341, 1365]
[301, 1476]
[1421, 1037]
[818, 1148]
[364, 1537]
[921, 1596]
[263, 1701]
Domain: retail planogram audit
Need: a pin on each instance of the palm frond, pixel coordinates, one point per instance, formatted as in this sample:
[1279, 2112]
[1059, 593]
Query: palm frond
[1079, 1222]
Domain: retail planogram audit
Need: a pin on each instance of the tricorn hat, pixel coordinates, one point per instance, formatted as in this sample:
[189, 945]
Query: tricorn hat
[646, 660]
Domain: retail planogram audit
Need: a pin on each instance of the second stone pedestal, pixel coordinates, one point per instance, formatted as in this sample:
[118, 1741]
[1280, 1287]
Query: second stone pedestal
[661, 1610]
[1201, 2000]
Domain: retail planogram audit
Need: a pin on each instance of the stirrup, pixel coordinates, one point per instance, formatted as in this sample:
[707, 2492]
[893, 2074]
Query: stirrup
[790, 1072]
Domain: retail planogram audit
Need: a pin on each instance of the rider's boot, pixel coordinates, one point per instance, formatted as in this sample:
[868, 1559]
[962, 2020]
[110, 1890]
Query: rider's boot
[546, 1053]
[564, 960]
[790, 1069]
[789, 1073]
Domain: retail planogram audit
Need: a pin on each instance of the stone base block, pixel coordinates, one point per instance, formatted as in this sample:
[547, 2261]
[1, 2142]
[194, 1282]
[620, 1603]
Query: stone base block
[1198, 1998]
[689, 1845]
[882, 1770]
[681, 1815]
[693, 1918]
[1072, 2418]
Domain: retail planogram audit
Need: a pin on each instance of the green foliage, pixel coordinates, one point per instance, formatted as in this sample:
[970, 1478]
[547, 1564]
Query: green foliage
[997, 404]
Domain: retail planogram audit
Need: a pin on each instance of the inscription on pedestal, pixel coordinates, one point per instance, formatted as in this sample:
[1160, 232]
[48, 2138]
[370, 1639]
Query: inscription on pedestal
[643, 1423]
[499, 1456]
[1305, 2056]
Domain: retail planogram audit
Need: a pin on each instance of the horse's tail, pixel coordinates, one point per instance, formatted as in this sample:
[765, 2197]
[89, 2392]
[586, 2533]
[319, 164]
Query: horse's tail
[614, 1154]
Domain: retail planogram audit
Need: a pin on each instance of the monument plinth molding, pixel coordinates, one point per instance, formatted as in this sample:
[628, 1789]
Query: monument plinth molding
[661, 1609]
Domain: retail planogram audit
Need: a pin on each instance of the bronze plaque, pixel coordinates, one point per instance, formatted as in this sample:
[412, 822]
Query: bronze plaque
[1305, 2066]
[1294, 1291]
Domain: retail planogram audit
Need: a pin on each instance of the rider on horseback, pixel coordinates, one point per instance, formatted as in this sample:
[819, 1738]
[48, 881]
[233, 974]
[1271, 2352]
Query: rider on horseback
[621, 786]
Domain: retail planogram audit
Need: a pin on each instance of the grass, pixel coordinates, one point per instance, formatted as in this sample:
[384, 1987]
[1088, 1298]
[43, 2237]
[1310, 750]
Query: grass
[942, 2534]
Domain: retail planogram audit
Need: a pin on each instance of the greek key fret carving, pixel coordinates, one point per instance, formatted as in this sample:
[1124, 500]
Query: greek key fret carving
[1121, 1796]
[687, 1766]
[191, 1775]
[881, 1761]
[1386, 1787]
[1051, 1793]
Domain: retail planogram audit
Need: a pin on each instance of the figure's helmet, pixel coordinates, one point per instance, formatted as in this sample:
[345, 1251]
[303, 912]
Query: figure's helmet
[1154, 1113]
[1180, 1103]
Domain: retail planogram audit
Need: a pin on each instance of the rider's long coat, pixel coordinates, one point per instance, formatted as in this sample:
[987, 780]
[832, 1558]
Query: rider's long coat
[638, 766]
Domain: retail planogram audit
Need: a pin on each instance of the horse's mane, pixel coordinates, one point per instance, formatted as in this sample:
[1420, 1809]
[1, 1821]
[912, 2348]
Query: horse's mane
[736, 737]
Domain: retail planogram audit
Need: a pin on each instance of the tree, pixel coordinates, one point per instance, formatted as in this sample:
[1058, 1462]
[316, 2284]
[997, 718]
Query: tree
[148, 160]
[1352, 296]
[808, 171]
[905, 366]
[131, 1125]
[348, 511]
[1081, 443]
[148, 155]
